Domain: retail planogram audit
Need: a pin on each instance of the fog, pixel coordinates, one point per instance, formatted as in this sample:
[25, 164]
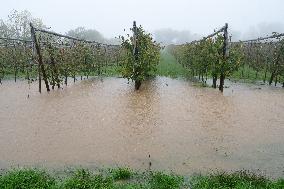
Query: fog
[176, 21]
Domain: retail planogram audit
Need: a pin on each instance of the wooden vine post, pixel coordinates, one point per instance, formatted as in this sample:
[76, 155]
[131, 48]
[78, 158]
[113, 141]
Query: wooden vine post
[135, 54]
[15, 63]
[105, 59]
[99, 58]
[225, 56]
[55, 78]
[41, 69]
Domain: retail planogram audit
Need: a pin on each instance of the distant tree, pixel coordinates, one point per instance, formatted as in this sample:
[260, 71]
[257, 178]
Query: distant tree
[114, 41]
[87, 34]
[4, 31]
[17, 25]
[170, 36]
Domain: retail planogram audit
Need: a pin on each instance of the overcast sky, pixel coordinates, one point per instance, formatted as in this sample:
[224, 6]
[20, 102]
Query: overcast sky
[110, 17]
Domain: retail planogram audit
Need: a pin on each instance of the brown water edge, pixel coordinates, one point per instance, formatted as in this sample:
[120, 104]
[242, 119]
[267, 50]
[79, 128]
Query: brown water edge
[184, 128]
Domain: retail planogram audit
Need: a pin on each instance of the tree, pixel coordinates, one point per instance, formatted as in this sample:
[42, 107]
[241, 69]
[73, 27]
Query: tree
[141, 55]
[207, 56]
[87, 34]
[17, 25]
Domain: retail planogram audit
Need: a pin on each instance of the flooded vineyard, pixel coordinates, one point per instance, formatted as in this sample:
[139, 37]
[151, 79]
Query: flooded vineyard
[167, 125]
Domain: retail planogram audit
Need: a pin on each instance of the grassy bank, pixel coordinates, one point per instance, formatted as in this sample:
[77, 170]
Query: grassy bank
[124, 178]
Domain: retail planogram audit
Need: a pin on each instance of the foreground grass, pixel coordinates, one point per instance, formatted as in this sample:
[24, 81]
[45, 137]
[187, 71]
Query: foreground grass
[124, 178]
[237, 180]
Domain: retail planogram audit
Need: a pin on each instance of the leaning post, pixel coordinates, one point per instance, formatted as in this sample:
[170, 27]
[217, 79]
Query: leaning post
[33, 42]
[40, 61]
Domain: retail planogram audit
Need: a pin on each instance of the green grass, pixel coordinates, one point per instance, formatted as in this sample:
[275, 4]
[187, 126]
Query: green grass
[169, 67]
[121, 173]
[84, 179]
[125, 178]
[248, 75]
[26, 179]
[111, 71]
[161, 180]
[237, 180]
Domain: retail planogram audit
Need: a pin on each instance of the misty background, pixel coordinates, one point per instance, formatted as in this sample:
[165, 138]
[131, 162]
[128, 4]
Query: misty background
[170, 22]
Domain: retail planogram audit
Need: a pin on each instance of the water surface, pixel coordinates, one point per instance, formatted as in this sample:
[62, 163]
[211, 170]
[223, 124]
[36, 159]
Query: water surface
[182, 127]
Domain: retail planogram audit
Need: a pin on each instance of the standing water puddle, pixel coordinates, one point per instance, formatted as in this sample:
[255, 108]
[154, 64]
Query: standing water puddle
[183, 128]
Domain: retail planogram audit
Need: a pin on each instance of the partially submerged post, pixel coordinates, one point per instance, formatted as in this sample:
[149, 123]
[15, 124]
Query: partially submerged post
[15, 63]
[99, 60]
[225, 56]
[40, 61]
[135, 54]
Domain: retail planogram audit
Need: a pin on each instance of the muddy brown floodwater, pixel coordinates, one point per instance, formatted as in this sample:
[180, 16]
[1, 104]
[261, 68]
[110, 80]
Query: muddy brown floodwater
[182, 127]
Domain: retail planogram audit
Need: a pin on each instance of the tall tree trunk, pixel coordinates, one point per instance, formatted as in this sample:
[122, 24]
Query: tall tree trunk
[28, 74]
[265, 73]
[248, 74]
[99, 68]
[55, 78]
[214, 81]
[15, 73]
[137, 85]
[66, 78]
[243, 70]
[52, 81]
[222, 79]
[276, 80]
[271, 78]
